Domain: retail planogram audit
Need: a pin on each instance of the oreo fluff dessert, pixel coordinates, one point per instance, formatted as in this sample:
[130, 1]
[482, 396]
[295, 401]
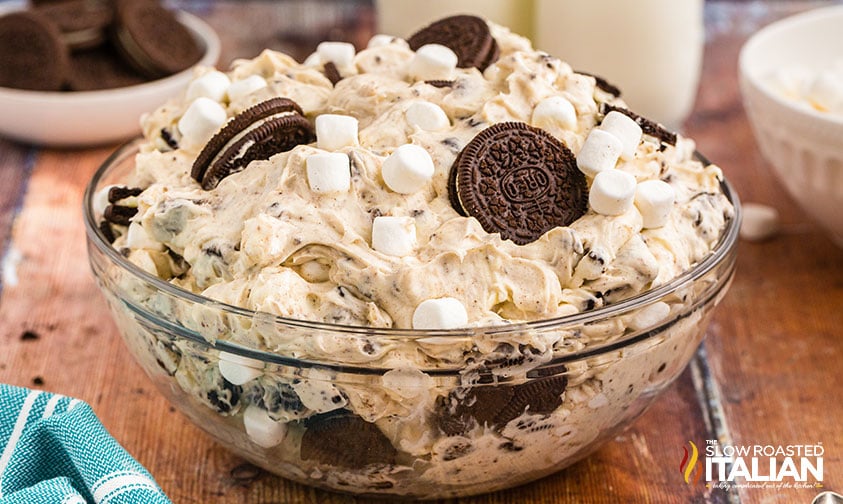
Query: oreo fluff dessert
[424, 215]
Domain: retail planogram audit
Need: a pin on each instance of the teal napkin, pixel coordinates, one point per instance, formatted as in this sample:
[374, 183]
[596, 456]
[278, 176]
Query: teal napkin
[54, 450]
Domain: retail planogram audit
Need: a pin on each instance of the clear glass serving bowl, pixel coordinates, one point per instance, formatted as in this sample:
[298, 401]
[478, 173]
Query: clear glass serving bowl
[497, 406]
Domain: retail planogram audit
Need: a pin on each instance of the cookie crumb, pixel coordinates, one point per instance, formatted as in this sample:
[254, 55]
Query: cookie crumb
[29, 335]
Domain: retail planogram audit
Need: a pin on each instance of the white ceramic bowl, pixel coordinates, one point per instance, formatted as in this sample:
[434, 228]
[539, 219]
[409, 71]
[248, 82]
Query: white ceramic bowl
[804, 146]
[80, 118]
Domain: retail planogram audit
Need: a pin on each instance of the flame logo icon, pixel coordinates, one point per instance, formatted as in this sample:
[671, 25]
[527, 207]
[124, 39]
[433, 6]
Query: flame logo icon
[690, 461]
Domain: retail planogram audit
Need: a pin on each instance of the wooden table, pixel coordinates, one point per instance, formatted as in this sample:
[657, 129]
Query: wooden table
[770, 371]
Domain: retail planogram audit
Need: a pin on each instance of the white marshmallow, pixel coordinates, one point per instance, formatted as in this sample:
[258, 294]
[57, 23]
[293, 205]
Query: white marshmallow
[441, 313]
[262, 429]
[433, 61]
[313, 60]
[555, 111]
[340, 54]
[826, 91]
[211, 85]
[654, 199]
[760, 222]
[612, 192]
[395, 236]
[334, 131]
[200, 121]
[599, 152]
[100, 200]
[138, 238]
[407, 169]
[238, 369]
[407, 382]
[382, 39]
[427, 116]
[328, 172]
[626, 129]
[244, 87]
[649, 316]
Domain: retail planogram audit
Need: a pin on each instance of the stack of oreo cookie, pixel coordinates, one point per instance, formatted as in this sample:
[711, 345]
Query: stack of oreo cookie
[84, 45]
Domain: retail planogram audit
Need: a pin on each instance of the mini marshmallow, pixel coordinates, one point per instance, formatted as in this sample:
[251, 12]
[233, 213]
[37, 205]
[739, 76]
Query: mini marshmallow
[340, 54]
[825, 92]
[612, 192]
[313, 60]
[211, 85]
[554, 111]
[626, 129]
[599, 152]
[654, 199]
[433, 61]
[759, 223]
[427, 116]
[238, 369]
[395, 236]
[382, 39]
[138, 238]
[334, 131]
[407, 169]
[649, 316]
[328, 172]
[262, 429]
[244, 87]
[441, 313]
[200, 121]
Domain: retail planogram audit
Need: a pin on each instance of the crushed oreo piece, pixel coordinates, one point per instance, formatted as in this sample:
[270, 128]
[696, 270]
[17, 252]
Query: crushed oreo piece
[118, 193]
[332, 72]
[344, 439]
[649, 127]
[119, 214]
[169, 139]
[440, 83]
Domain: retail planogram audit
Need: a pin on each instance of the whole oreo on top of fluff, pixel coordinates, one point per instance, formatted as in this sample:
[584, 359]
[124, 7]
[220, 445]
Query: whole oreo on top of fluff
[518, 181]
[468, 36]
[273, 126]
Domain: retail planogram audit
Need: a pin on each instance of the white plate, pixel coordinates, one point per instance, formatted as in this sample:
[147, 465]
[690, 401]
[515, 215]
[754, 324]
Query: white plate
[80, 118]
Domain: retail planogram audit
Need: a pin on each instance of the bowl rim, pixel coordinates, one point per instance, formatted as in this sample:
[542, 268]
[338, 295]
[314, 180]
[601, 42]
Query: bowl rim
[726, 244]
[201, 30]
[771, 30]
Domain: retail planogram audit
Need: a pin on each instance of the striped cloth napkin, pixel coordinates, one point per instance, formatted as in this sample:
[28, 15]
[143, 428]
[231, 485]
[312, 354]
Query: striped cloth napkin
[54, 450]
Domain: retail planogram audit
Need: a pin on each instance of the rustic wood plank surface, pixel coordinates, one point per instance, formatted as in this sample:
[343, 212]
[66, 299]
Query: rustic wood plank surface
[774, 347]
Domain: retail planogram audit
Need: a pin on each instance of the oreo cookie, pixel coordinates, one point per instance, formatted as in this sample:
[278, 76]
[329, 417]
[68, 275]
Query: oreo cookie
[83, 23]
[494, 406]
[518, 181]
[273, 126]
[649, 127]
[151, 39]
[344, 439]
[32, 55]
[468, 36]
[100, 68]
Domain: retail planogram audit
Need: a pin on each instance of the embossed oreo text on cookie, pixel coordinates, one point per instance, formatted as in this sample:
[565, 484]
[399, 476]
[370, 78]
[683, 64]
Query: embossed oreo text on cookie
[518, 181]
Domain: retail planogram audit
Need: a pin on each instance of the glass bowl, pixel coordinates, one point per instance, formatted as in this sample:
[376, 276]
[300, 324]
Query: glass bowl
[497, 406]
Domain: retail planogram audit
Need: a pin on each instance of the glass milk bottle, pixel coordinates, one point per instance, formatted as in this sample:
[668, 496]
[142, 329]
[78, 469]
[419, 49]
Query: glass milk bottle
[651, 49]
[404, 17]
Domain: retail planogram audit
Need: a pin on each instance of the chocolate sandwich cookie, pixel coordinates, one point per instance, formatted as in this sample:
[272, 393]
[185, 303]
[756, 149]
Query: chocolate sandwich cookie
[518, 181]
[151, 39]
[273, 126]
[468, 36]
[83, 23]
[32, 55]
[494, 406]
[344, 439]
[100, 68]
[648, 126]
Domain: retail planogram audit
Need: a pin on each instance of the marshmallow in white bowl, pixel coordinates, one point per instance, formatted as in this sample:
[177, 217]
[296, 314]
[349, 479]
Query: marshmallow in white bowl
[433, 61]
[625, 129]
[395, 236]
[554, 111]
[262, 429]
[340, 54]
[654, 199]
[407, 169]
[244, 87]
[328, 172]
[440, 313]
[612, 192]
[334, 131]
[200, 121]
[237, 369]
[427, 116]
[599, 152]
[211, 85]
